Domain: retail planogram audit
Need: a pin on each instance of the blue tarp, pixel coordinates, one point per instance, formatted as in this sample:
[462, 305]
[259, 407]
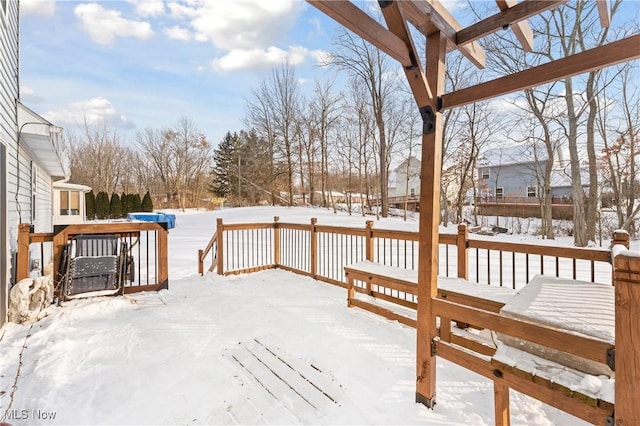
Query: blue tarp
[170, 219]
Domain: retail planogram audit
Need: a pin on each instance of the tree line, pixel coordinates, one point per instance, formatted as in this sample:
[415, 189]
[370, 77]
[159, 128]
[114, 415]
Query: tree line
[101, 206]
[345, 134]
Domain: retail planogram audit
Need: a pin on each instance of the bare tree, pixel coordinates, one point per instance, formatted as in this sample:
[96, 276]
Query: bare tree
[358, 118]
[325, 111]
[368, 65]
[274, 114]
[180, 158]
[99, 159]
[618, 127]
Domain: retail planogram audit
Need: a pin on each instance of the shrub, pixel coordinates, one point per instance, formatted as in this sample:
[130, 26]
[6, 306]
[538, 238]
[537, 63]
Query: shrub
[102, 205]
[147, 204]
[90, 204]
[115, 207]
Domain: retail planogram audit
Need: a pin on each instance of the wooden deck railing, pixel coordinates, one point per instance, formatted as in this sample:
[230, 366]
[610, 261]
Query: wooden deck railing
[147, 242]
[322, 251]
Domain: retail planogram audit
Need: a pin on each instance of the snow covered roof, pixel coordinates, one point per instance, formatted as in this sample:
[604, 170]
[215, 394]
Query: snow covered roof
[561, 177]
[514, 154]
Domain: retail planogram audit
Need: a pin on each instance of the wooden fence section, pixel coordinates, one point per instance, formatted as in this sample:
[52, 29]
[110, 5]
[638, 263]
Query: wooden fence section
[147, 242]
[322, 252]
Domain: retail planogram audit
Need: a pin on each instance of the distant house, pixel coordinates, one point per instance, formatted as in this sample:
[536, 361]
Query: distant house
[510, 182]
[31, 158]
[404, 184]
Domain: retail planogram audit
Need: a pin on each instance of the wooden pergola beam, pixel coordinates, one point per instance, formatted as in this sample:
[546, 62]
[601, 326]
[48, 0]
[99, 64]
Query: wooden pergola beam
[603, 12]
[430, 16]
[599, 57]
[354, 19]
[415, 74]
[511, 16]
[521, 29]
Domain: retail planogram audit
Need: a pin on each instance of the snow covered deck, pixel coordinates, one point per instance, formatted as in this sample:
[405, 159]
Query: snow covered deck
[266, 348]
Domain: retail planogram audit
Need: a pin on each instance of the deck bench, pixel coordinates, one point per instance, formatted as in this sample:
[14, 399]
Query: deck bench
[399, 287]
[558, 375]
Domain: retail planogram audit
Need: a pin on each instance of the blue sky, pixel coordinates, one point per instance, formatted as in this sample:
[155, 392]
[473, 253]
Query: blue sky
[146, 63]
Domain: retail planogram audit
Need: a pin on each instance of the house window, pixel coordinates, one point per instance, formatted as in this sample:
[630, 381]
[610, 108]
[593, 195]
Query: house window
[499, 192]
[532, 191]
[484, 173]
[34, 192]
[413, 192]
[69, 203]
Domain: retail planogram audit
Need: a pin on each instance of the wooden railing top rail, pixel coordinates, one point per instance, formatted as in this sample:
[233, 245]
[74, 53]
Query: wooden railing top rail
[294, 226]
[594, 254]
[212, 241]
[245, 226]
[357, 232]
[397, 235]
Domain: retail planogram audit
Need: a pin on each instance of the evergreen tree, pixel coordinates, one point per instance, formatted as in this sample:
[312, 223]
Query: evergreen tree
[90, 204]
[115, 207]
[224, 172]
[102, 205]
[147, 204]
[136, 203]
[126, 204]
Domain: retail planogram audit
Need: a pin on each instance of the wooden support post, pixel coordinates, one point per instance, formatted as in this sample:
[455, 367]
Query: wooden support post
[200, 261]
[163, 258]
[314, 248]
[22, 261]
[621, 237]
[276, 241]
[501, 403]
[351, 291]
[59, 241]
[368, 241]
[462, 242]
[219, 246]
[429, 223]
[626, 275]
[445, 329]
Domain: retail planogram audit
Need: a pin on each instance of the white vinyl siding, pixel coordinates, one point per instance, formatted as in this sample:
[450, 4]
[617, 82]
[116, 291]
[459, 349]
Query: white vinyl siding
[8, 137]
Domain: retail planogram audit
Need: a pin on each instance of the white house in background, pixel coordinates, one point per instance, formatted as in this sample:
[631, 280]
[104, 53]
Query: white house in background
[31, 159]
[404, 184]
[69, 203]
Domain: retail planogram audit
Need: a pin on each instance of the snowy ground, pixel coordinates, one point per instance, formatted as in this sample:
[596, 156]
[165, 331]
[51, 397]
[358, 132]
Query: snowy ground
[264, 348]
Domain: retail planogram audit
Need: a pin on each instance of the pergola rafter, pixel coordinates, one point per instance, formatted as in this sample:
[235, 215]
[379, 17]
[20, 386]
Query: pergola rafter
[513, 16]
[354, 19]
[443, 33]
[613, 53]
[522, 30]
[415, 74]
[430, 16]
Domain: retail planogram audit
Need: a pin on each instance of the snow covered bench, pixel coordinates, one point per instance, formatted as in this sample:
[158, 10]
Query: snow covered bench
[555, 338]
[391, 292]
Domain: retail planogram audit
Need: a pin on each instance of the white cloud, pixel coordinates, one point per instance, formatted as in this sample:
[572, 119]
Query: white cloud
[38, 7]
[178, 33]
[239, 24]
[105, 25]
[239, 59]
[148, 8]
[322, 57]
[28, 95]
[316, 28]
[94, 111]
